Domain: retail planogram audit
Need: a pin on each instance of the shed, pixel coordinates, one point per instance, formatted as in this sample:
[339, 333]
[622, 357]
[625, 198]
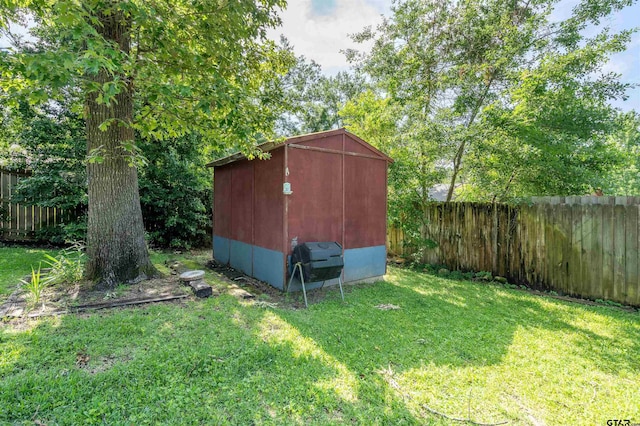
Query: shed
[327, 186]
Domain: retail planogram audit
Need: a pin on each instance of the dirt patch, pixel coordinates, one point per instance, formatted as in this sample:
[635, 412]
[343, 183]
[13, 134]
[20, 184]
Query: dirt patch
[99, 365]
[64, 299]
[80, 297]
[265, 294]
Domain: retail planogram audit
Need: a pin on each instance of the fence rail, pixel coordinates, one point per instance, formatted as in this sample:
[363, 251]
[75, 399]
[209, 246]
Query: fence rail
[588, 200]
[580, 249]
[19, 222]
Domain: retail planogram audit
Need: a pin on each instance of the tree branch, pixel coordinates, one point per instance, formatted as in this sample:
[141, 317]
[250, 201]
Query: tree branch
[389, 378]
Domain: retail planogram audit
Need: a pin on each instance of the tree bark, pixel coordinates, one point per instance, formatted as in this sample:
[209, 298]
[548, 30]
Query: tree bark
[457, 160]
[116, 248]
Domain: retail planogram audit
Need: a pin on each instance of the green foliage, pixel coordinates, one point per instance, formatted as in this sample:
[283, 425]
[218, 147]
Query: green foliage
[175, 184]
[625, 178]
[15, 263]
[492, 97]
[67, 267]
[35, 286]
[175, 192]
[159, 70]
[207, 65]
[313, 100]
[484, 275]
[375, 119]
[73, 229]
[50, 140]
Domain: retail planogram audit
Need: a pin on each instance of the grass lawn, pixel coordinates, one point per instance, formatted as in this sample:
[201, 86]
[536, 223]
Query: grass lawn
[462, 348]
[15, 263]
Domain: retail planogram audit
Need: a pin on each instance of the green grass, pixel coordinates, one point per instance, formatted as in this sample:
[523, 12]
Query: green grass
[458, 347]
[15, 263]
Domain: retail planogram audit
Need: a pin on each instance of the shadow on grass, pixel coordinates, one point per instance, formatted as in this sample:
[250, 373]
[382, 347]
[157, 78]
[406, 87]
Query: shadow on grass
[222, 362]
[213, 362]
[526, 359]
[446, 322]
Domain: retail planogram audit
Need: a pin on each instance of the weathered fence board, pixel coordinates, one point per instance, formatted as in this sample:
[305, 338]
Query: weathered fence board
[619, 247]
[632, 253]
[581, 246]
[588, 200]
[21, 222]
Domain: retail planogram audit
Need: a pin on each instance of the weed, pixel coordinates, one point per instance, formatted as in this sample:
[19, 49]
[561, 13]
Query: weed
[15, 263]
[609, 303]
[67, 267]
[263, 296]
[35, 286]
[461, 276]
[483, 276]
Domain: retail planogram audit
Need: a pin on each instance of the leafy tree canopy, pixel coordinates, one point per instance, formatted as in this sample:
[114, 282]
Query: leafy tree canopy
[491, 97]
[625, 178]
[313, 100]
[205, 65]
[158, 69]
[480, 85]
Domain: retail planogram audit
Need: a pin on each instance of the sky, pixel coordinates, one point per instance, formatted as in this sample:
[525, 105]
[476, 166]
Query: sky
[320, 29]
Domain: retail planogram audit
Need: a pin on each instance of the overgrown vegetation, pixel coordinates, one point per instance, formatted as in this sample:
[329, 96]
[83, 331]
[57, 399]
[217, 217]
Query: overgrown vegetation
[16, 263]
[175, 192]
[175, 185]
[34, 285]
[67, 267]
[466, 349]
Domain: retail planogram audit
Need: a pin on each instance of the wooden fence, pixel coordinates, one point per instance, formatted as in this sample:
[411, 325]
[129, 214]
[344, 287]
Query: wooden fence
[20, 222]
[578, 248]
[586, 200]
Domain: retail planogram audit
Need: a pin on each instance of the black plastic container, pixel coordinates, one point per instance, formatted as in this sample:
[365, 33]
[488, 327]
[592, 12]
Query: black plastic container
[321, 261]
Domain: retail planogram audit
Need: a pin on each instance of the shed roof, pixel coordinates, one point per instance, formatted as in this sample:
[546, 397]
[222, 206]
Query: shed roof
[270, 146]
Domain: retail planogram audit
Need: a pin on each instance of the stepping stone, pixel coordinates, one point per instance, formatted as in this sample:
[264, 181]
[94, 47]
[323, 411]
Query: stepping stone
[239, 293]
[195, 280]
[189, 276]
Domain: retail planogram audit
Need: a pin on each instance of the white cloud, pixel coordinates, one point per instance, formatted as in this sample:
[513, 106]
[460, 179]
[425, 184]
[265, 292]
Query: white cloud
[322, 37]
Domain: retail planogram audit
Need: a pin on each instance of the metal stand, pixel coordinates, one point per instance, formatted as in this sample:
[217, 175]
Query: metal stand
[298, 266]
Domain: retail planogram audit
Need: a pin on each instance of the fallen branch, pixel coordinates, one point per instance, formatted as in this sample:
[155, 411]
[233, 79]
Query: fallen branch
[456, 419]
[387, 307]
[395, 385]
[107, 305]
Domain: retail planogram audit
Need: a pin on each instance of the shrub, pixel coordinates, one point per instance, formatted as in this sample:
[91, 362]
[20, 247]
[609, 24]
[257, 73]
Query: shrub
[67, 267]
[175, 185]
[175, 193]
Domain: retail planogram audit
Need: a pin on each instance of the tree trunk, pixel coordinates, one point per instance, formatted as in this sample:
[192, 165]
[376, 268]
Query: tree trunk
[456, 169]
[457, 160]
[116, 248]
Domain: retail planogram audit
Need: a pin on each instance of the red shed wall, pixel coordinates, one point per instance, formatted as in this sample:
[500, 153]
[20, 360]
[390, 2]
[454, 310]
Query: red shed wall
[248, 202]
[321, 199]
[242, 201]
[269, 201]
[222, 202]
[315, 207]
[352, 145]
[338, 194]
[365, 202]
[328, 142]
